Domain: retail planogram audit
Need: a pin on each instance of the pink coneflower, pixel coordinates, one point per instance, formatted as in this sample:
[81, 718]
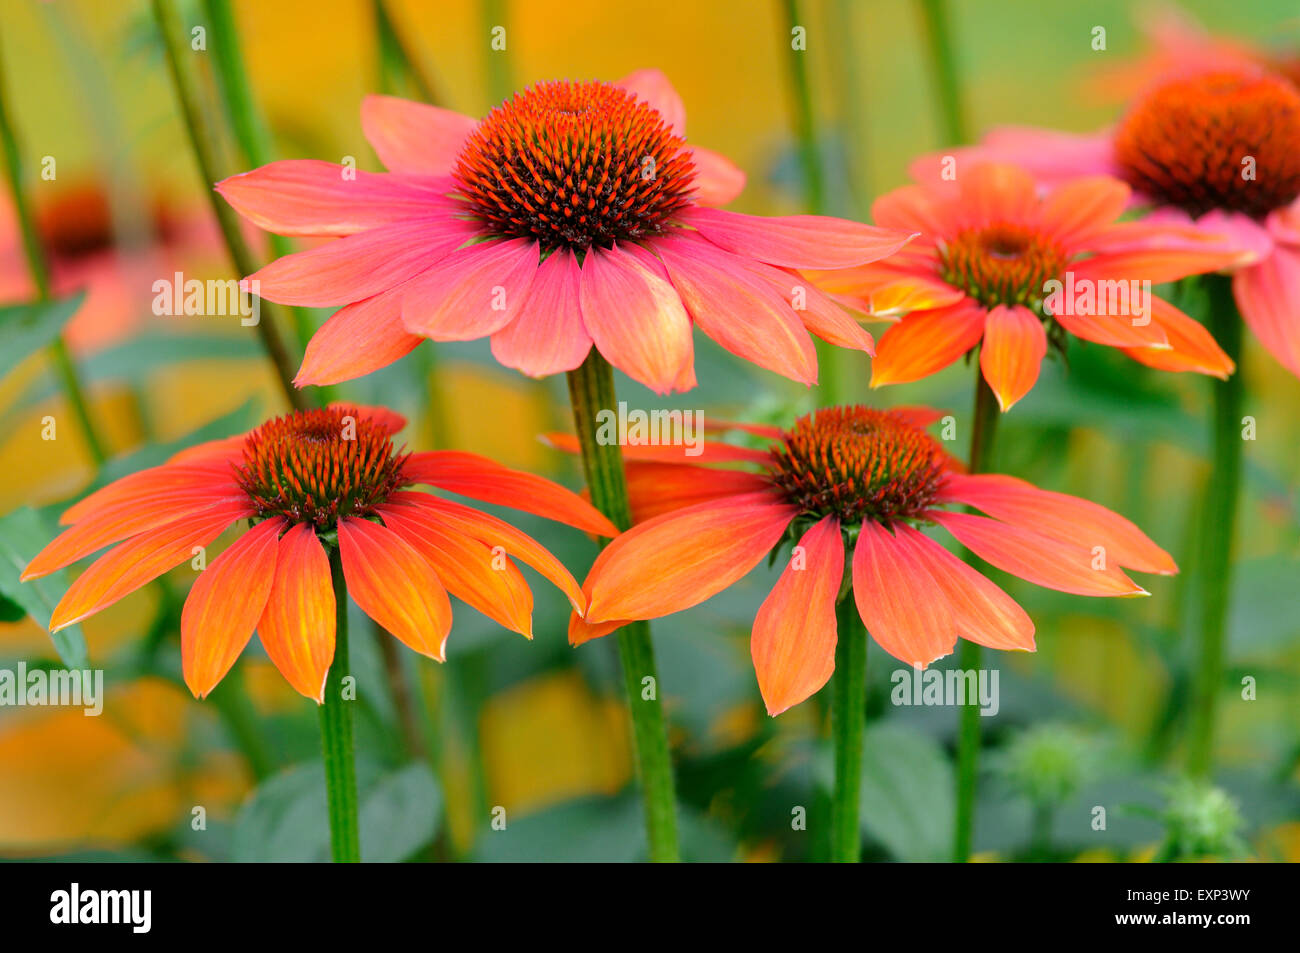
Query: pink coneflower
[574, 214]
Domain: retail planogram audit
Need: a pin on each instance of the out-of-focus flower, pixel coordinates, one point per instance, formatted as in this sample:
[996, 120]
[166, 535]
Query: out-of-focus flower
[1047, 763]
[1201, 821]
[76, 231]
[991, 248]
[310, 479]
[573, 214]
[852, 481]
[1213, 148]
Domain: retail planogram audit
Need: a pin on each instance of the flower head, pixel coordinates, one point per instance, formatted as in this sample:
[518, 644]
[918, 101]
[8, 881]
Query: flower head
[574, 214]
[851, 487]
[1002, 267]
[1211, 143]
[310, 483]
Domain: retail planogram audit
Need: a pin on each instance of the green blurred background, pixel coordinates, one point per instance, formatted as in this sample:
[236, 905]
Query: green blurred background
[1095, 717]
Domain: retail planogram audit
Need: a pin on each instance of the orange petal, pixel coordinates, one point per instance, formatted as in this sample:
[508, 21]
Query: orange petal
[1060, 516]
[482, 479]
[202, 479]
[636, 318]
[395, 586]
[581, 631]
[466, 566]
[225, 605]
[1040, 559]
[1191, 346]
[140, 560]
[1013, 351]
[997, 192]
[682, 558]
[298, 624]
[414, 138]
[494, 532]
[793, 643]
[657, 488]
[1082, 207]
[356, 340]
[925, 342]
[901, 605]
[981, 611]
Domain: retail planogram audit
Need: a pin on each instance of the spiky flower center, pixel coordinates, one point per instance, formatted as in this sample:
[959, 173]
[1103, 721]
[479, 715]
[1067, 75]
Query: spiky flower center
[574, 165]
[316, 466]
[858, 463]
[1220, 140]
[1002, 264]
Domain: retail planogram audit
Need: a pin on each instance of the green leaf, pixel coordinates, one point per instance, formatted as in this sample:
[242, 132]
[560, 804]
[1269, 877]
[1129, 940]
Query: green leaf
[907, 793]
[287, 818]
[23, 533]
[28, 328]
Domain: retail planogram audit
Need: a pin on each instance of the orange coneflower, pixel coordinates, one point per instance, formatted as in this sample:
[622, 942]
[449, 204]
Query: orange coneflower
[990, 249]
[307, 482]
[853, 485]
[1213, 146]
[574, 214]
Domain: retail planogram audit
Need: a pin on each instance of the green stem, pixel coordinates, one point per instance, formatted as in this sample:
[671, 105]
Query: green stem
[943, 64]
[591, 389]
[247, 123]
[1217, 527]
[848, 714]
[830, 373]
[336, 735]
[500, 85]
[205, 148]
[983, 430]
[40, 272]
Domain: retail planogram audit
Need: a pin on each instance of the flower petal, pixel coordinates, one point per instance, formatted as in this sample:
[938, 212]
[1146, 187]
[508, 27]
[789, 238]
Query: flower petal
[225, 604]
[203, 480]
[414, 138]
[297, 627]
[793, 643]
[981, 611]
[1038, 558]
[472, 292]
[1013, 351]
[1191, 346]
[901, 605]
[1269, 297]
[738, 310]
[395, 586]
[548, 335]
[925, 342]
[140, 560]
[682, 558]
[796, 241]
[468, 568]
[482, 479]
[494, 532]
[718, 180]
[657, 488]
[308, 197]
[358, 266]
[356, 340]
[1061, 516]
[636, 319]
[702, 451]
[654, 88]
[1082, 207]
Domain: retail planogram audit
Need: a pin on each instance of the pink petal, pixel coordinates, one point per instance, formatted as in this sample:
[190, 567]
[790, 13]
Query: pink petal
[636, 318]
[548, 336]
[796, 241]
[1013, 351]
[652, 87]
[1268, 295]
[472, 293]
[358, 266]
[741, 312]
[308, 197]
[900, 603]
[356, 340]
[414, 138]
[718, 180]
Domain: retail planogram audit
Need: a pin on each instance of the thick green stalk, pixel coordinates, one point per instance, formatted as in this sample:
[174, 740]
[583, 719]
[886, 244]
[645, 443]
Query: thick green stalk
[40, 272]
[591, 389]
[1218, 527]
[848, 714]
[943, 66]
[983, 429]
[205, 153]
[336, 735]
